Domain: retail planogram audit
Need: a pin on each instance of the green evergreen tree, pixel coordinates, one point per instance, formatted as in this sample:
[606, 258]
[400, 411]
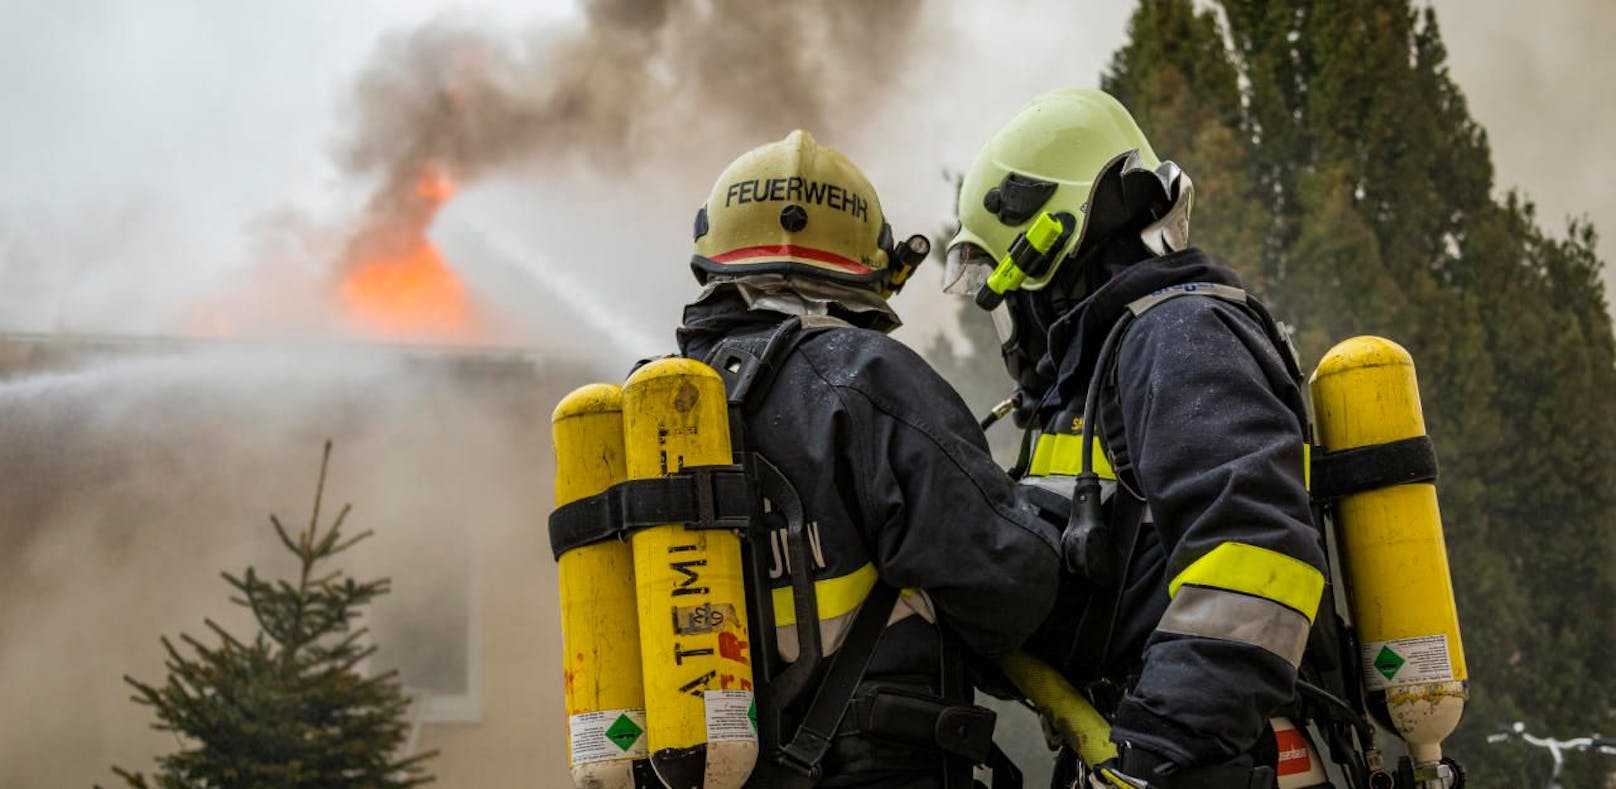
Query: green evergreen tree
[1332, 136]
[288, 708]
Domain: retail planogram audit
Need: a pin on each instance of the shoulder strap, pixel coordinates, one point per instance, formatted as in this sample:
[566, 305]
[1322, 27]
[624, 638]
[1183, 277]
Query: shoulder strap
[748, 364]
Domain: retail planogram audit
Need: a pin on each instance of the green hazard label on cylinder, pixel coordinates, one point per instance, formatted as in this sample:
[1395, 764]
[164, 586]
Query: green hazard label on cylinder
[607, 734]
[1388, 662]
[1406, 661]
[731, 716]
[624, 732]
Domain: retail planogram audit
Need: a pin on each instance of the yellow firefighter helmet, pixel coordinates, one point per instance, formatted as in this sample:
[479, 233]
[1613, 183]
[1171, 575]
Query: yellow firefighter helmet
[1047, 159]
[793, 207]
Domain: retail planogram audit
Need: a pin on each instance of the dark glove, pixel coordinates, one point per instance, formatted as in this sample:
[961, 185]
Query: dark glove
[1110, 775]
[1136, 768]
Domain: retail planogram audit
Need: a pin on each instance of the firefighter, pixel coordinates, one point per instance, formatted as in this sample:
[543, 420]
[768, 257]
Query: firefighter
[894, 478]
[1190, 601]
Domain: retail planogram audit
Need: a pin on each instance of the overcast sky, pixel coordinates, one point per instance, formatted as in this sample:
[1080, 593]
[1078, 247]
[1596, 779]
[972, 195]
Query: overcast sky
[146, 139]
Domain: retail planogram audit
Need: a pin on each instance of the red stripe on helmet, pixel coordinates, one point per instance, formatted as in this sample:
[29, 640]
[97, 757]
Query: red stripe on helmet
[791, 250]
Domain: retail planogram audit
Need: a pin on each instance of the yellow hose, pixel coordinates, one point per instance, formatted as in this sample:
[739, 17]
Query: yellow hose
[1080, 725]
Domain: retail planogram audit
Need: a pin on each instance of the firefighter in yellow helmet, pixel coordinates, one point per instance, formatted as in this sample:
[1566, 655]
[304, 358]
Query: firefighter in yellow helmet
[1198, 570]
[881, 467]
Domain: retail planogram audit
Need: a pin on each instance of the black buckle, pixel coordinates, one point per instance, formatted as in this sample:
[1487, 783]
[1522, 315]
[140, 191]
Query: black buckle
[700, 497]
[805, 753]
[1105, 694]
[735, 482]
[966, 731]
[739, 369]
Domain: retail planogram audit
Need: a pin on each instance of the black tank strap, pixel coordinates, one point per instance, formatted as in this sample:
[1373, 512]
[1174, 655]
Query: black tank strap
[1349, 471]
[701, 497]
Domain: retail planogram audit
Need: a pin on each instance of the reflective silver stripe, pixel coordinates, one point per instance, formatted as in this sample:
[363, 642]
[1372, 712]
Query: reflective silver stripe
[831, 633]
[1225, 292]
[912, 602]
[1232, 616]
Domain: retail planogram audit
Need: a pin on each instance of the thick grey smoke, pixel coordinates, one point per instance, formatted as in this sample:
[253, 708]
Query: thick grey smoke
[628, 96]
[640, 80]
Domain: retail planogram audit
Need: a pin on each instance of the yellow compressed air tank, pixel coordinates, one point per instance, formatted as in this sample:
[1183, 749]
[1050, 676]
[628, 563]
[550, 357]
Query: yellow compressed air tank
[599, 627]
[1401, 596]
[690, 590]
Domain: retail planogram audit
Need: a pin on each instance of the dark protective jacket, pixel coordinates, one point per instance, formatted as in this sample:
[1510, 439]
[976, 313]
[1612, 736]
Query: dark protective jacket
[897, 482]
[1203, 420]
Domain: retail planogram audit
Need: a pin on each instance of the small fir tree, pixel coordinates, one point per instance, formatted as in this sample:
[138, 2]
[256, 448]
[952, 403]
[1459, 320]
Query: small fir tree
[289, 708]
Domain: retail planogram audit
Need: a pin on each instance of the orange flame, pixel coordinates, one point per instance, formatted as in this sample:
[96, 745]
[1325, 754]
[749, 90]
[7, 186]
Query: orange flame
[434, 187]
[400, 285]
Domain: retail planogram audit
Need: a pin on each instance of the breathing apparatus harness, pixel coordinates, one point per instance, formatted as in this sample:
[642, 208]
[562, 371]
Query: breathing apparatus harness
[823, 695]
[1100, 550]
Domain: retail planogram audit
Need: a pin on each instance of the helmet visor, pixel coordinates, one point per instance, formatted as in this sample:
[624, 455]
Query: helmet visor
[1004, 323]
[966, 270]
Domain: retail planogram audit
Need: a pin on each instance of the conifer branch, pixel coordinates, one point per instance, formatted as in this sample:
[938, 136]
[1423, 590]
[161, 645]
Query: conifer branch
[286, 708]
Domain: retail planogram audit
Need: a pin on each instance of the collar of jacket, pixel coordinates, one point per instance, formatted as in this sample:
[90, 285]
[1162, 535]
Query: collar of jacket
[717, 314]
[1075, 337]
[723, 310]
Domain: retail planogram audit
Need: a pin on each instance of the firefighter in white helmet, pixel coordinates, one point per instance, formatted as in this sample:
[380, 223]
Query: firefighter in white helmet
[885, 472]
[1198, 577]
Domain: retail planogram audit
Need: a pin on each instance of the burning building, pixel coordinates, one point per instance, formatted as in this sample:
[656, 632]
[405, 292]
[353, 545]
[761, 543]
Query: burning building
[138, 467]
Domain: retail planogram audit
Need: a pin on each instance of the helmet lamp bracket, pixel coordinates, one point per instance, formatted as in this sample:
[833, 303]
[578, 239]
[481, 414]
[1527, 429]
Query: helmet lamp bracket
[903, 259]
[1018, 197]
[1030, 257]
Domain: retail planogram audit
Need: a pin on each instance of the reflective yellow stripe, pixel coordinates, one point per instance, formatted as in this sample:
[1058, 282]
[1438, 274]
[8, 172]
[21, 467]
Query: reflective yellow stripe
[1062, 453]
[835, 596]
[1307, 466]
[1256, 571]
